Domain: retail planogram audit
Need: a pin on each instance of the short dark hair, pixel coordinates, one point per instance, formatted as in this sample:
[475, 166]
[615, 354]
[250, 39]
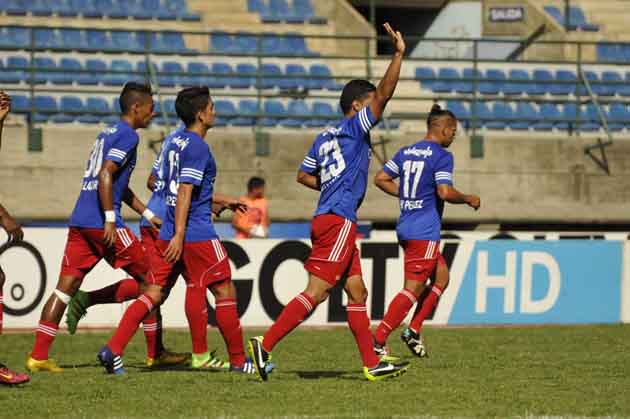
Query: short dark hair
[436, 113]
[354, 90]
[133, 92]
[191, 101]
[255, 182]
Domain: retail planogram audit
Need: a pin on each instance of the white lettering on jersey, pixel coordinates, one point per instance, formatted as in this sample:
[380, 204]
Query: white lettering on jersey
[180, 142]
[419, 152]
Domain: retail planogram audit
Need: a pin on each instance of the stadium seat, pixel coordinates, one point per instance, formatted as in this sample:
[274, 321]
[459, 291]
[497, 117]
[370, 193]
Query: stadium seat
[324, 113]
[528, 115]
[126, 41]
[493, 83]
[245, 43]
[222, 42]
[577, 19]
[225, 112]
[42, 64]
[426, 76]
[295, 44]
[589, 118]
[618, 116]
[304, 8]
[501, 115]
[275, 111]
[73, 39]
[171, 80]
[98, 41]
[460, 110]
[39, 8]
[71, 71]
[448, 79]
[298, 111]
[549, 115]
[280, 11]
[94, 75]
[173, 42]
[124, 73]
[45, 38]
[482, 113]
[593, 79]
[70, 107]
[466, 86]
[16, 8]
[543, 80]
[248, 109]
[16, 70]
[96, 108]
[271, 73]
[324, 78]
[46, 104]
[607, 52]
[614, 82]
[519, 83]
[199, 74]
[223, 76]
[259, 6]
[20, 103]
[19, 37]
[565, 88]
[245, 76]
[555, 13]
[296, 77]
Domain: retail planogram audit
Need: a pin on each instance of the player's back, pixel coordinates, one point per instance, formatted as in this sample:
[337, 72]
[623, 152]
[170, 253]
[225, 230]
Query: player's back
[421, 168]
[188, 159]
[117, 143]
[341, 156]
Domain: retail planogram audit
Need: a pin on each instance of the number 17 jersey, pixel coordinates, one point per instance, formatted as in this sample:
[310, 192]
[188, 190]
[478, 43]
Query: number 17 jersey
[421, 168]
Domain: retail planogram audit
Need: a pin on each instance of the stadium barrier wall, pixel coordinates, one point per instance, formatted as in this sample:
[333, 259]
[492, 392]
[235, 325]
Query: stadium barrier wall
[492, 281]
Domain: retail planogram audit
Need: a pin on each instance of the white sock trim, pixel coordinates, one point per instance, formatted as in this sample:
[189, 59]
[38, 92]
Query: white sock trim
[65, 298]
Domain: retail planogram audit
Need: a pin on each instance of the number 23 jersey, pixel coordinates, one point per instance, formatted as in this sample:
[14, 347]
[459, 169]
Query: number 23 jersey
[421, 168]
[117, 143]
[340, 156]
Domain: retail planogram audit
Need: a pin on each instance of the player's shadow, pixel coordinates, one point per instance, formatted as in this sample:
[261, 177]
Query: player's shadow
[79, 366]
[316, 375]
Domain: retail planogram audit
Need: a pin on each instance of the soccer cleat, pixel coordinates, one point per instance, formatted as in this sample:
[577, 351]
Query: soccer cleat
[49, 365]
[167, 358]
[415, 343]
[77, 308]
[247, 368]
[385, 370]
[11, 377]
[113, 363]
[261, 358]
[210, 362]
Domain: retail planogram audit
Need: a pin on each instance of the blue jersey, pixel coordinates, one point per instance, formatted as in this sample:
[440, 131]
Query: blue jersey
[340, 156]
[421, 167]
[188, 159]
[157, 202]
[117, 143]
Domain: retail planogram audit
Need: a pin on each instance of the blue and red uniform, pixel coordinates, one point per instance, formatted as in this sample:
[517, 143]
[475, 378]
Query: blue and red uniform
[340, 157]
[85, 247]
[421, 167]
[204, 259]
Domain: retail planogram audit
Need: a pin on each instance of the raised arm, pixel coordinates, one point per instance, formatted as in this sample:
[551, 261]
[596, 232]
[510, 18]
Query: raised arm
[451, 195]
[387, 85]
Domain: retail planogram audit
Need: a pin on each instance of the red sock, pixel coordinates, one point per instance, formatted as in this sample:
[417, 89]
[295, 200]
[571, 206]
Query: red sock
[230, 327]
[130, 322]
[151, 330]
[1, 309]
[427, 308]
[396, 313]
[124, 290]
[44, 337]
[197, 314]
[360, 326]
[293, 314]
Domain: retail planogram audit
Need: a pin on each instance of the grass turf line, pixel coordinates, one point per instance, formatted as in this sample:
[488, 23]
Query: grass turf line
[501, 372]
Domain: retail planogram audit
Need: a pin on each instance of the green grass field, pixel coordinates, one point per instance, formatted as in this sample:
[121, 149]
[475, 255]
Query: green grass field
[483, 372]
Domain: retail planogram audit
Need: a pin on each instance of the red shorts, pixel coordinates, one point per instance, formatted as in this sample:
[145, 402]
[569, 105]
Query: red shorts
[149, 237]
[334, 254]
[201, 264]
[85, 248]
[421, 258]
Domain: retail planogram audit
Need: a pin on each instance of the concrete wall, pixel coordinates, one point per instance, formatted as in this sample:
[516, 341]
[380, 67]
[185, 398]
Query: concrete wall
[521, 178]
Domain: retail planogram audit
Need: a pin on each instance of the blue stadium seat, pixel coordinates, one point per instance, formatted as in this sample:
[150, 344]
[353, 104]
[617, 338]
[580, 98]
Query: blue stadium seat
[124, 74]
[607, 52]
[460, 110]
[493, 83]
[20, 37]
[17, 7]
[223, 76]
[67, 106]
[73, 39]
[449, 78]
[39, 8]
[259, 6]
[324, 112]
[466, 86]
[20, 103]
[426, 75]
[62, 8]
[324, 78]
[46, 105]
[543, 81]
[173, 42]
[501, 114]
[618, 116]
[270, 70]
[295, 79]
[271, 43]
[295, 44]
[280, 10]
[245, 43]
[589, 118]
[304, 8]
[577, 19]
[247, 109]
[225, 112]
[519, 83]
[593, 78]
[564, 88]
[142, 71]
[222, 42]
[245, 76]
[98, 41]
[96, 109]
[70, 74]
[199, 74]
[14, 72]
[298, 111]
[126, 41]
[94, 75]
[526, 111]
[86, 8]
[45, 38]
[481, 111]
[171, 80]
[106, 8]
[180, 8]
[614, 82]
[555, 13]
[276, 112]
[41, 64]
[548, 114]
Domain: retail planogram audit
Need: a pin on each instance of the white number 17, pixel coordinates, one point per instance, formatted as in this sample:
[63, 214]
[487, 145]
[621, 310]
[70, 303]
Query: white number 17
[411, 168]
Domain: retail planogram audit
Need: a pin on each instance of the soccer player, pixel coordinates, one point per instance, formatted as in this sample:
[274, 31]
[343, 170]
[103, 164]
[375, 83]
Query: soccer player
[189, 245]
[254, 223]
[337, 166]
[14, 231]
[425, 170]
[97, 230]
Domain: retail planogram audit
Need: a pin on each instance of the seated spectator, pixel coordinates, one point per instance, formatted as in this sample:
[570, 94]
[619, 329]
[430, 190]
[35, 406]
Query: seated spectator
[255, 222]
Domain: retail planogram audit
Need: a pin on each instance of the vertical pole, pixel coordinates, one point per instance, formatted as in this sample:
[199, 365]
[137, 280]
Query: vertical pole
[31, 81]
[567, 8]
[258, 81]
[473, 110]
[578, 85]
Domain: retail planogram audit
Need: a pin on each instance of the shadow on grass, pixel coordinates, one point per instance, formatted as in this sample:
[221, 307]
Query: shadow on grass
[316, 375]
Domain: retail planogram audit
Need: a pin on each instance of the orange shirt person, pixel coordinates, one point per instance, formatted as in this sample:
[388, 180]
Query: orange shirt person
[255, 222]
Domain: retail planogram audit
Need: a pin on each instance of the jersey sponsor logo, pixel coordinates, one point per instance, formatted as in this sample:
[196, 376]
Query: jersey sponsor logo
[181, 142]
[419, 152]
[109, 130]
